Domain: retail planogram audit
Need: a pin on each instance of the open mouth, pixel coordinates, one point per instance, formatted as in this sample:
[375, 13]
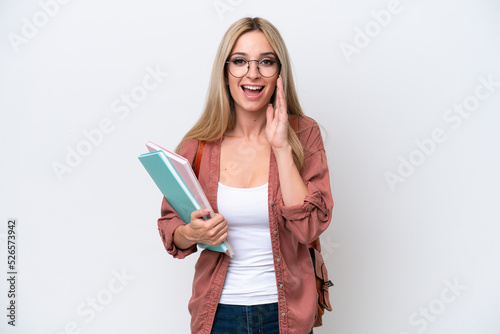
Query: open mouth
[252, 91]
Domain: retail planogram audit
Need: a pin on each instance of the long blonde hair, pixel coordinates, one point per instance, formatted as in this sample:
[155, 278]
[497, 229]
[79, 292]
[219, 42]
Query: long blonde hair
[219, 116]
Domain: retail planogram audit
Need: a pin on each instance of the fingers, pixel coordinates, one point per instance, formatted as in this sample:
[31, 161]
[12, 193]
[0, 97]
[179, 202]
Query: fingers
[216, 220]
[212, 231]
[199, 214]
[217, 229]
[269, 114]
[277, 119]
[220, 233]
[280, 99]
[280, 104]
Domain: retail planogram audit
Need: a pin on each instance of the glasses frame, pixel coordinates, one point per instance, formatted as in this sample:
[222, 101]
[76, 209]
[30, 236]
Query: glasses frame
[258, 67]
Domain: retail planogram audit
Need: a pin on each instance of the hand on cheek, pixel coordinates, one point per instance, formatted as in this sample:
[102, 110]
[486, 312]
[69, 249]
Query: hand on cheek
[277, 120]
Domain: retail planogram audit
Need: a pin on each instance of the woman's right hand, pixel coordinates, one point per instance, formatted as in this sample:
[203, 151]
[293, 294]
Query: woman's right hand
[211, 232]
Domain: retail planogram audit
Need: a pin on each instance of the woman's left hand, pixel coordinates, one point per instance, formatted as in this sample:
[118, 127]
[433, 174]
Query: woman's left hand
[292, 186]
[277, 120]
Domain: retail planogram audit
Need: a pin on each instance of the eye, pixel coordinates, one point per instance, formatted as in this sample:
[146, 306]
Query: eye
[239, 61]
[267, 62]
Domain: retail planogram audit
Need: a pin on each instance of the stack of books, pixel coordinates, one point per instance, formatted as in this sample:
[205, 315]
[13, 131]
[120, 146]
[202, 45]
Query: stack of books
[176, 180]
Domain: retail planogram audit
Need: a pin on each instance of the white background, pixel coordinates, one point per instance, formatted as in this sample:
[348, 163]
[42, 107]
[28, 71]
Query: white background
[391, 252]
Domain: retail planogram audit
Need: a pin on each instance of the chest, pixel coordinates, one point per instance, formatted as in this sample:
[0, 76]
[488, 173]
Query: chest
[243, 164]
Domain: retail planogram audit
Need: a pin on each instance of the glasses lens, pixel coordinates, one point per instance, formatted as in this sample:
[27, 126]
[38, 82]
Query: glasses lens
[268, 67]
[238, 67]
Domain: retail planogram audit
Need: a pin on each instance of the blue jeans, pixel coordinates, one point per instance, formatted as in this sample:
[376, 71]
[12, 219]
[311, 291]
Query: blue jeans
[239, 319]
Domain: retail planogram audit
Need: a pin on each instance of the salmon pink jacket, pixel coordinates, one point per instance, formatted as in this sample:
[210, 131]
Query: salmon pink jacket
[291, 229]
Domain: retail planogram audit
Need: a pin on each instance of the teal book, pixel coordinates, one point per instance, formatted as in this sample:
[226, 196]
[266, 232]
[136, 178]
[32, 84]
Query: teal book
[173, 187]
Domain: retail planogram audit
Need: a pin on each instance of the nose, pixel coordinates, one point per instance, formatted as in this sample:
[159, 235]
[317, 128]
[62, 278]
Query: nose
[253, 71]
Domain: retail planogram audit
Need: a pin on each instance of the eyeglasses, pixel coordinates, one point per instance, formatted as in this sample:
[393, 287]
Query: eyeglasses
[239, 67]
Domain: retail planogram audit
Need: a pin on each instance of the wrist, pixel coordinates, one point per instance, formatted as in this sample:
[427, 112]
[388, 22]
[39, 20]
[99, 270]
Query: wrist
[185, 232]
[285, 151]
[182, 241]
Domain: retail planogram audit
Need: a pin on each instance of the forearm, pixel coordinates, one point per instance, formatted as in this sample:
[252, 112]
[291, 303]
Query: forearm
[293, 188]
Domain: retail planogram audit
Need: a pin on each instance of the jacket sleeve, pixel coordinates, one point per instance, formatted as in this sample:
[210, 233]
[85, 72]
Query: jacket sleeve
[169, 219]
[308, 220]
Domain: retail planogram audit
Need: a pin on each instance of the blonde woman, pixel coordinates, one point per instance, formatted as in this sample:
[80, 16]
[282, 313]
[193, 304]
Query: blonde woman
[264, 171]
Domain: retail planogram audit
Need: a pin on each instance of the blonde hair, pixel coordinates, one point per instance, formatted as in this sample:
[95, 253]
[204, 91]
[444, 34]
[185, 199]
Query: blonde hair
[218, 115]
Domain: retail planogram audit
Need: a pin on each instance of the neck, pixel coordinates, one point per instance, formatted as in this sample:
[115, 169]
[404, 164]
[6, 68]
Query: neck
[250, 124]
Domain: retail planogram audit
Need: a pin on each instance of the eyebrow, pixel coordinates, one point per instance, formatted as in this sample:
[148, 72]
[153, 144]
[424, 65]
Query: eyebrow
[262, 54]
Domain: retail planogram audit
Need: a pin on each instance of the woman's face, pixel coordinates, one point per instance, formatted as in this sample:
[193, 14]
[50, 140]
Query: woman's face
[252, 45]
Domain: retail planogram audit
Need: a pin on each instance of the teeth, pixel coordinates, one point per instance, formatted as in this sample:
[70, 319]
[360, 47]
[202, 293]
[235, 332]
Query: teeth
[253, 87]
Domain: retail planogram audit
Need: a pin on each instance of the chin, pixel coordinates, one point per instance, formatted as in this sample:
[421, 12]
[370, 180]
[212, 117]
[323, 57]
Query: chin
[250, 107]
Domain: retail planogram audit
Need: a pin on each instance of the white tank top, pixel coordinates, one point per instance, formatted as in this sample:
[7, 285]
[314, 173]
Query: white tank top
[250, 278]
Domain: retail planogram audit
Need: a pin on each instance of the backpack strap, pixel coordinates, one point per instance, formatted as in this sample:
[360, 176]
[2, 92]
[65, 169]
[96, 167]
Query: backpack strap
[197, 157]
[294, 122]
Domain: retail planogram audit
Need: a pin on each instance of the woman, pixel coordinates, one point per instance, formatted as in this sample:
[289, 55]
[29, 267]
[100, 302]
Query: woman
[264, 171]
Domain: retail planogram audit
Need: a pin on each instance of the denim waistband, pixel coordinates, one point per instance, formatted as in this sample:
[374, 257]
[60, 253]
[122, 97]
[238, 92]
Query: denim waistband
[246, 319]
